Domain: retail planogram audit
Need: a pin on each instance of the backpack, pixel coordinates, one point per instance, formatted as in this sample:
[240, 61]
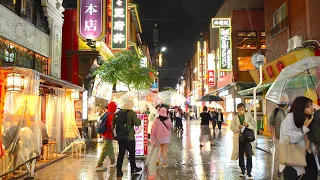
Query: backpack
[120, 131]
[101, 126]
[314, 133]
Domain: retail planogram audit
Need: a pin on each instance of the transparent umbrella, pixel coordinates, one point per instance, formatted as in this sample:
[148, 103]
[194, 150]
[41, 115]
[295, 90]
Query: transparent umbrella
[298, 79]
[171, 98]
[137, 100]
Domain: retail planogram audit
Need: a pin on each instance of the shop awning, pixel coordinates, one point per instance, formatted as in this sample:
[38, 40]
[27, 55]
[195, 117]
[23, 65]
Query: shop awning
[250, 90]
[60, 82]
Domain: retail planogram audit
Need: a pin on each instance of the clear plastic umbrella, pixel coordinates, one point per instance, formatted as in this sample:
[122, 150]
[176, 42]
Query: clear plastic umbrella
[171, 98]
[137, 100]
[298, 79]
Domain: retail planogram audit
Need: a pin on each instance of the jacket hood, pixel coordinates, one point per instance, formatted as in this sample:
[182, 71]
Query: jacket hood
[112, 107]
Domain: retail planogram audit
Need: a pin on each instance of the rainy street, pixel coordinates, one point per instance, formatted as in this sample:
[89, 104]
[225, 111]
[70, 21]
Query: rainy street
[186, 161]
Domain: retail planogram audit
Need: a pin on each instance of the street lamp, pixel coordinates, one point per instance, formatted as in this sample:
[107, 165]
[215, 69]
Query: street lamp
[163, 49]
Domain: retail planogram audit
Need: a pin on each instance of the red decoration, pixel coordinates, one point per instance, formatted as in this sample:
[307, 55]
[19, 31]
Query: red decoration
[280, 66]
[270, 72]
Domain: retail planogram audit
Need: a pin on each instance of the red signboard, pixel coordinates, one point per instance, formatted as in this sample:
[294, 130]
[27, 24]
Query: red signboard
[210, 77]
[145, 124]
[91, 19]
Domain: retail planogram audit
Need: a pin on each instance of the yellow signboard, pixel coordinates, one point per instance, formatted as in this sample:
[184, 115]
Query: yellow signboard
[272, 69]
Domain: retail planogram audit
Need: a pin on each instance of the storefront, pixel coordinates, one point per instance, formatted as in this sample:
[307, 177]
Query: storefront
[271, 71]
[33, 103]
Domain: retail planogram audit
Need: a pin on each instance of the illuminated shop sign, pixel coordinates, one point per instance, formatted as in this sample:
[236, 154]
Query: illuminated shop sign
[224, 25]
[91, 19]
[220, 22]
[119, 24]
[225, 49]
[211, 69]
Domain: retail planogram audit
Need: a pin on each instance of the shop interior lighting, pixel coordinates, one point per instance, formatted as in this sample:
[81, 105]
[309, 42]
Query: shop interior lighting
[14, 82]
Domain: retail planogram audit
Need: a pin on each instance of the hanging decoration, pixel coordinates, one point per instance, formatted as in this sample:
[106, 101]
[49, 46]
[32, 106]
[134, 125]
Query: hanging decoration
[14, 82]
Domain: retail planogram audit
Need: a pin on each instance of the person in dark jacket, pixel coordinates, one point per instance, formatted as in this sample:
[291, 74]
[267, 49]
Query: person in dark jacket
[219, 118]
[205, 129]
[107, 149]
[213, 115]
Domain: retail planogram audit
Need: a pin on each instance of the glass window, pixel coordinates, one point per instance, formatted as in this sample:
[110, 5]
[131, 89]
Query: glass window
[246, 40]
[280, 14]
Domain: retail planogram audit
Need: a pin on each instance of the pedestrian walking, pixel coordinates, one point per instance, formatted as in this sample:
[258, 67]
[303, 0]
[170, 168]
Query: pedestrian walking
[275, 120]
[178, 118]
[241, 147]
[213, 115]
[205, 129]
[161, 135]
[294, 129]
[123, 124]
[107, 146]
[219, 118]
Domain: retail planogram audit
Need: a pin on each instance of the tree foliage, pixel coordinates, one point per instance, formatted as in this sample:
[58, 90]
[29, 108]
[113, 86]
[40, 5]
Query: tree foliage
[126, 67]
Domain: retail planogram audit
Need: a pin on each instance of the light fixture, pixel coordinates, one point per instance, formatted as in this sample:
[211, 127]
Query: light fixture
[91, 43]
[14, 82]
[163, 49]
[75, 95]
[195, 70]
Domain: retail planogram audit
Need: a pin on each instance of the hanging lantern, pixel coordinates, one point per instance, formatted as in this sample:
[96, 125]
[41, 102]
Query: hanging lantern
[76, 95]
[14, 82]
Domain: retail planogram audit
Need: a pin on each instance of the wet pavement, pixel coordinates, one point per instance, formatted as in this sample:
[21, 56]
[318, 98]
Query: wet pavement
[185, 158]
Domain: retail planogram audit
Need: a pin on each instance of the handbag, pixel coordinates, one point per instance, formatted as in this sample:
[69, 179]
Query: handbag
[247, 135]
[292, 154]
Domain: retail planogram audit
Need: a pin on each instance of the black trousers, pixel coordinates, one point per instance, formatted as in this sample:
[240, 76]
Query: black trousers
[219, 124]
[245, 147]
[290, 173]
[214, 124]
[129, 145]
[179, 123]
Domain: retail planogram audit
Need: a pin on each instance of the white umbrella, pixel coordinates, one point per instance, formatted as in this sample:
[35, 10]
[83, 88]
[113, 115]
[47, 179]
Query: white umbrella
[216, 105]
[171, 98]
[137, 100]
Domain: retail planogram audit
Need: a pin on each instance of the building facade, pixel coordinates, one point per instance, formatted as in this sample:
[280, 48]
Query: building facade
[236, 33]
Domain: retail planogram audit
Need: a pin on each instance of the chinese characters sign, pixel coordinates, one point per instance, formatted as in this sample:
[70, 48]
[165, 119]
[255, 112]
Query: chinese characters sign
[225, 49]
[220, 22]
[141, 135]
[210, 77]
[91, 19]
[119, 24]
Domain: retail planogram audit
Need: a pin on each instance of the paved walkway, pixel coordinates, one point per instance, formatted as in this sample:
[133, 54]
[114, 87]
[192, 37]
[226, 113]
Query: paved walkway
[187, 161]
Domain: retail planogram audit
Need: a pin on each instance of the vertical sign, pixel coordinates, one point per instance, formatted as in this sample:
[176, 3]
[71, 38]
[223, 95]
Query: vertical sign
[139, 136]
[211, 69]
[119, 24]
[202, 64]
[225, 49]
[145, 124]
[224, 25]
[91, 19]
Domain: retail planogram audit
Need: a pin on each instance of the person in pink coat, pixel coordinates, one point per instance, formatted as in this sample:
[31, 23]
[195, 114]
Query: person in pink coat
[161, 134]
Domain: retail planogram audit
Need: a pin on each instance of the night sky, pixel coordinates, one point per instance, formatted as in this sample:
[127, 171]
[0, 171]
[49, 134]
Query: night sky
[180, 23]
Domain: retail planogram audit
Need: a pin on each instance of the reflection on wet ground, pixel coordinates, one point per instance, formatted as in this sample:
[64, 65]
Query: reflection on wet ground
[186, 161]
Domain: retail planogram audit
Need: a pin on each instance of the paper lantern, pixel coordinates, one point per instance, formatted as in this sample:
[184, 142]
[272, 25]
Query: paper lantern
[14, 82]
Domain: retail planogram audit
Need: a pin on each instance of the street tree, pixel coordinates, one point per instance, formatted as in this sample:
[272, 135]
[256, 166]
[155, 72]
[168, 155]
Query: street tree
[126, 67]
